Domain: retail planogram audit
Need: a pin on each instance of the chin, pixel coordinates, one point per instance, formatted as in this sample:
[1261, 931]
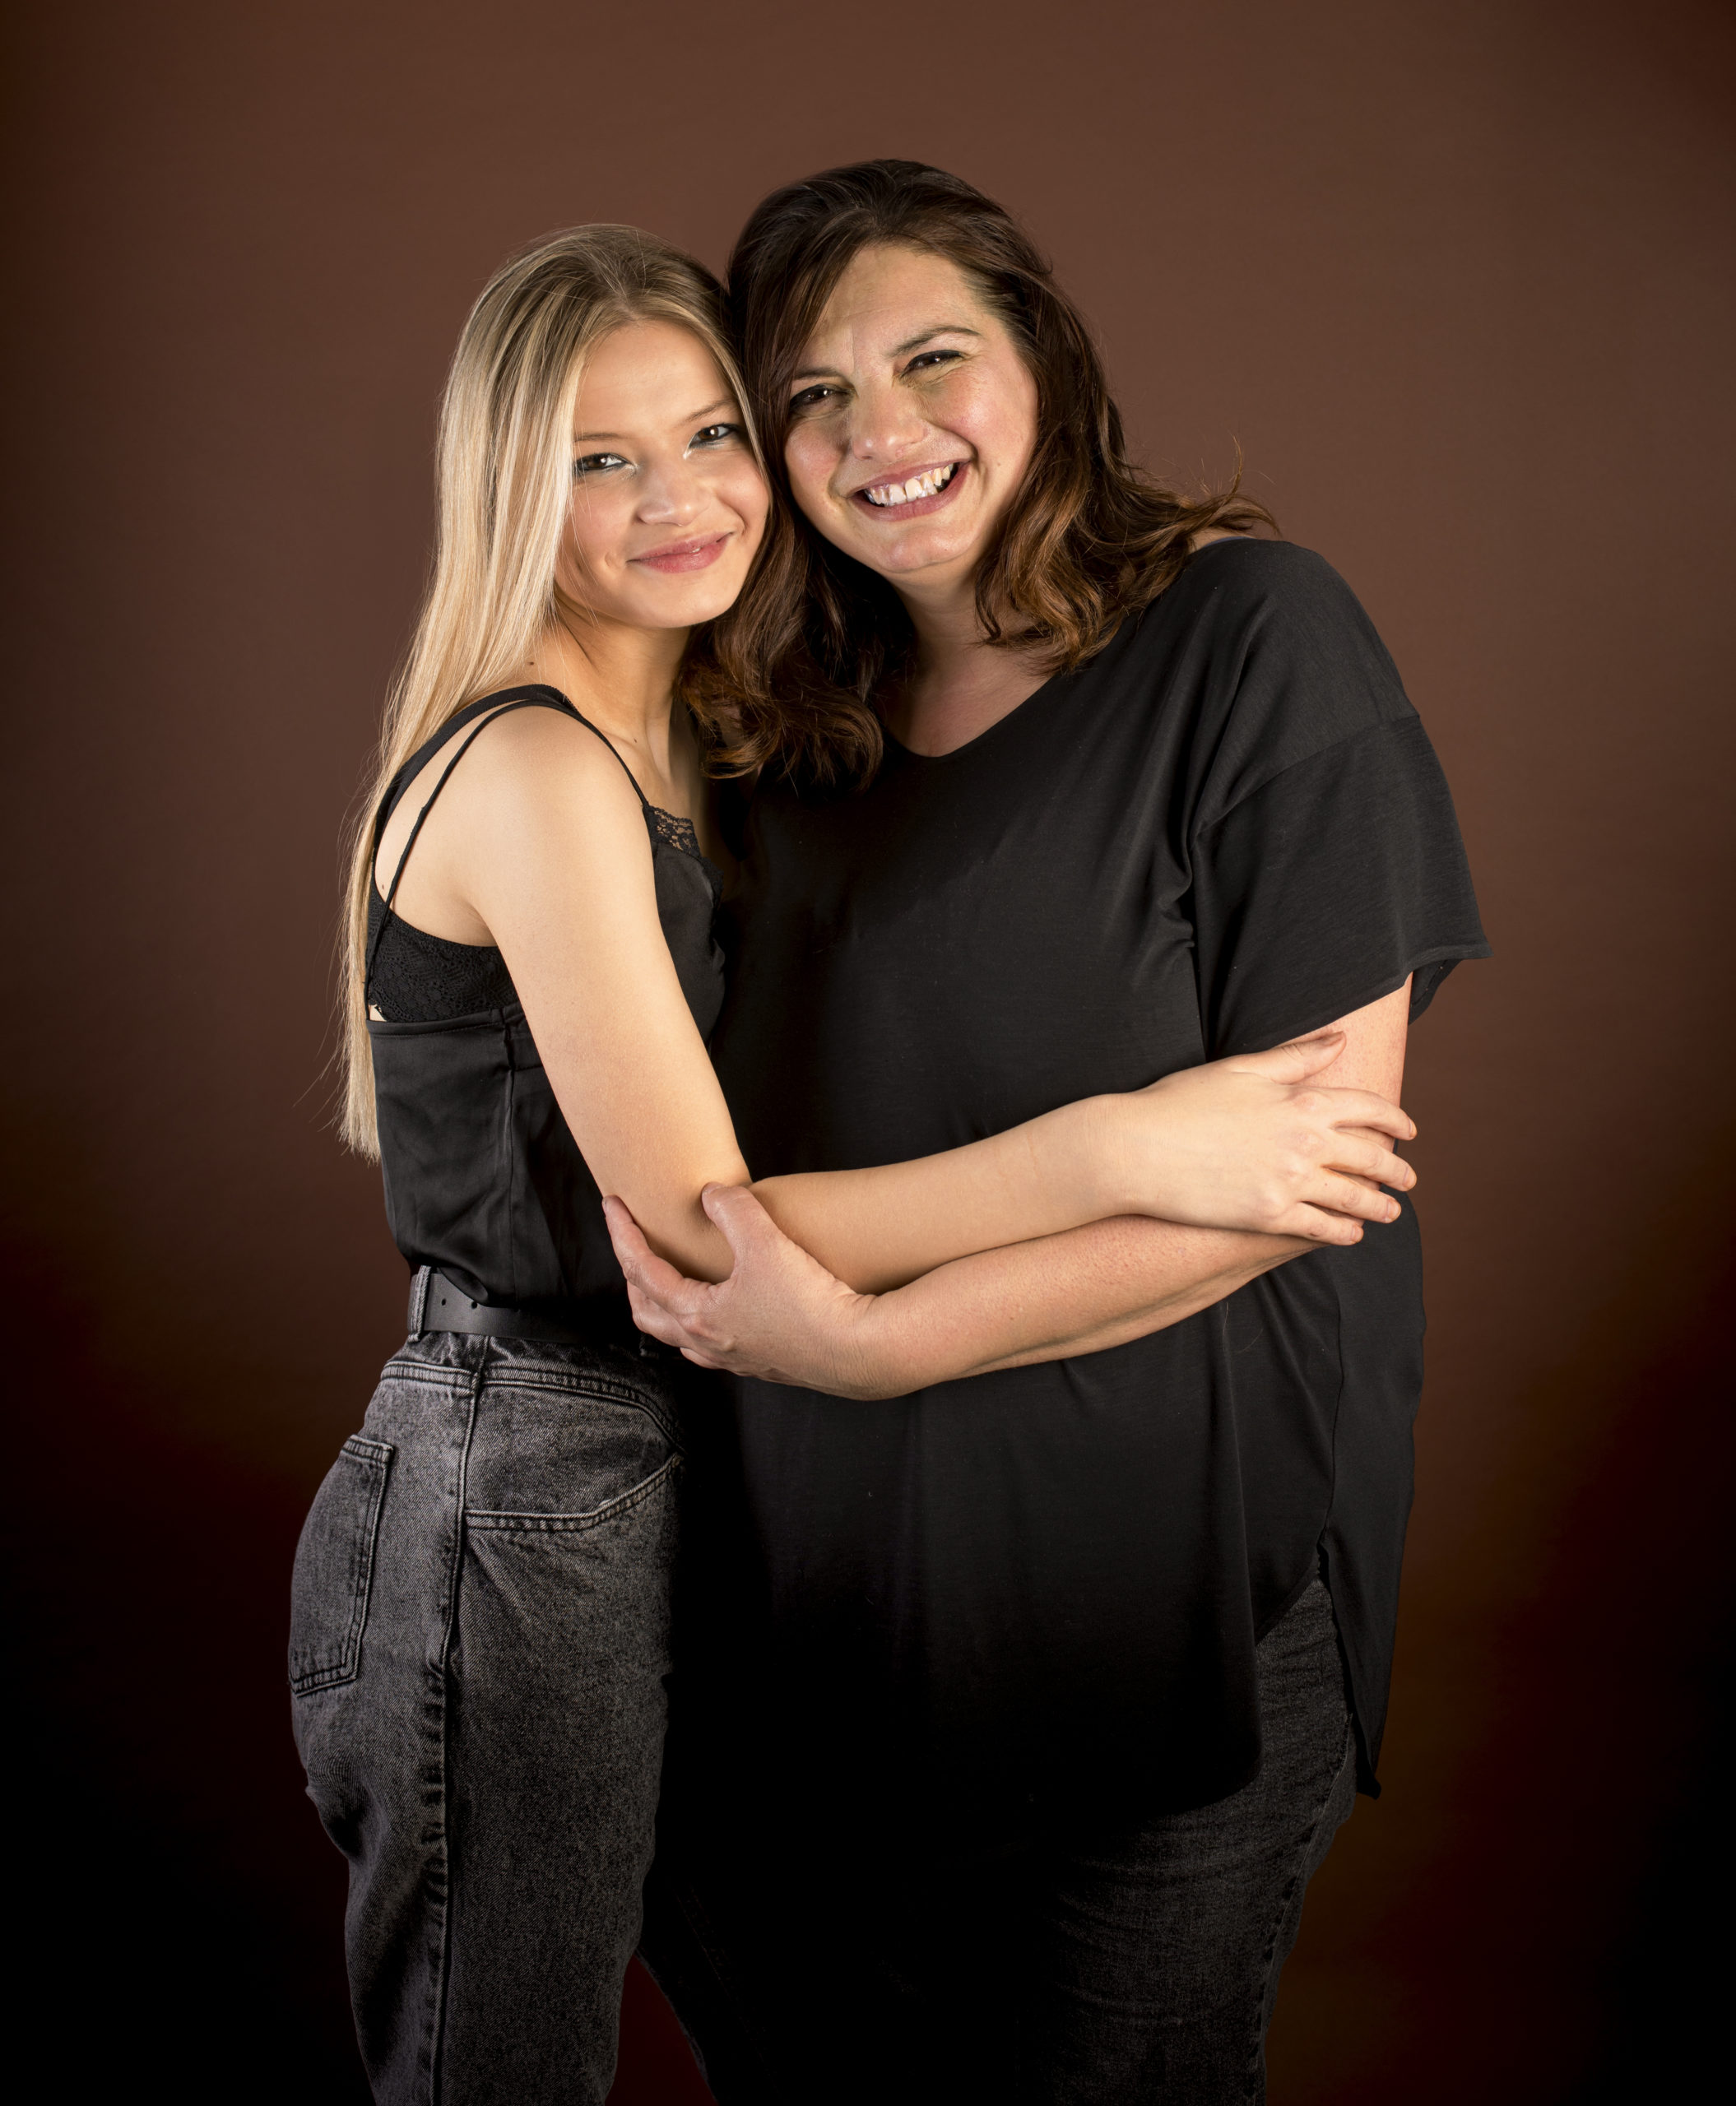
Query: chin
[913, 551]
[688, 608]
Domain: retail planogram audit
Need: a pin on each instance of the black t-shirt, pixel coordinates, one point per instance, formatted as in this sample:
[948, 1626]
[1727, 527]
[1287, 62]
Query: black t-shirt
[1228, 829]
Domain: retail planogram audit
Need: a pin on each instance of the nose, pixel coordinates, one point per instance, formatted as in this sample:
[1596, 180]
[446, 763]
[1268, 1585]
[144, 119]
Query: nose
[884, 423]
[671, 494]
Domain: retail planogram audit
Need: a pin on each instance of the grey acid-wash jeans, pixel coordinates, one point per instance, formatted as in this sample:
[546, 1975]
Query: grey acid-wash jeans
[479, 1643]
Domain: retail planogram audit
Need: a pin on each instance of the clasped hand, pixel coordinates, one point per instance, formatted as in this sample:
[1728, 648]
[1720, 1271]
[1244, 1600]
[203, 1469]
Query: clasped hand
[1251, 1142]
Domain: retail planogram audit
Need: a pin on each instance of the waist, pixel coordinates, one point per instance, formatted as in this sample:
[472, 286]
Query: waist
[437, 1305]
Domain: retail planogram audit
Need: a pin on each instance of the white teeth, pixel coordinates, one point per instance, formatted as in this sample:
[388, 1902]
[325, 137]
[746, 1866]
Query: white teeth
[919, 486]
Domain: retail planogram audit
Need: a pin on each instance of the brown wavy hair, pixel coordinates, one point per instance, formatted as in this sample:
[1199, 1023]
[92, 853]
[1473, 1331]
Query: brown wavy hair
[786, 680]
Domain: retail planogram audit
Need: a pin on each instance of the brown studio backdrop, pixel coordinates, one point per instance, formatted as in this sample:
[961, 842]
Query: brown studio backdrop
[1455, 279]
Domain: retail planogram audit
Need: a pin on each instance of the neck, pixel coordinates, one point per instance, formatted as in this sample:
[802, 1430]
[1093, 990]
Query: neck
[622, 678]
[961, 685]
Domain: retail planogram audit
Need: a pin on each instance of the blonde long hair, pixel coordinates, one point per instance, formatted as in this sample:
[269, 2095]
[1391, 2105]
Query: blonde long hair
[504, 481]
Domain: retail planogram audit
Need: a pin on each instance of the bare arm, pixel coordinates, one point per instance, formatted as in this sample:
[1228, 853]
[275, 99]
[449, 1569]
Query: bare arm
[1253, 1144]
[1116, 1280]
[780, 1316]
[538, 845]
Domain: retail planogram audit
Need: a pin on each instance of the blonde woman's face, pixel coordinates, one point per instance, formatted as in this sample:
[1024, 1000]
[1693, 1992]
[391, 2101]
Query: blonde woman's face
[668, 502]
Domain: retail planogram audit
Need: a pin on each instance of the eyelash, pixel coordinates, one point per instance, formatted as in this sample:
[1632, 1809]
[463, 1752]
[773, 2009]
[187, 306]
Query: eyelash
[600, 464]
[811, 397]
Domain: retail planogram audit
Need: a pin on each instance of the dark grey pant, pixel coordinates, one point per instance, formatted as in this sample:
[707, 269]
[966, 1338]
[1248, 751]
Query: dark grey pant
[1132, 1967]
[479, 1640]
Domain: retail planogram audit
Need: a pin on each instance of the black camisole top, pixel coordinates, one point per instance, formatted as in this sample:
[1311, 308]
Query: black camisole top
[484, 1181]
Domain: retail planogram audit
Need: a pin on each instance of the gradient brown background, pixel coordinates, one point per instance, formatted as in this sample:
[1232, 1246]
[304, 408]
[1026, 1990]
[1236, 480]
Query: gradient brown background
[1456, 279]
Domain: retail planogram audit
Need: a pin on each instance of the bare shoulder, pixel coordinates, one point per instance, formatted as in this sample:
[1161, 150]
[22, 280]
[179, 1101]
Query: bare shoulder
[517, 765]
[536, 753]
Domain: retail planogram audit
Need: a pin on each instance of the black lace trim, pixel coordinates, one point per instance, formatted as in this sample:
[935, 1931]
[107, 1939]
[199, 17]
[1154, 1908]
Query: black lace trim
[422, 979]
[679, 833]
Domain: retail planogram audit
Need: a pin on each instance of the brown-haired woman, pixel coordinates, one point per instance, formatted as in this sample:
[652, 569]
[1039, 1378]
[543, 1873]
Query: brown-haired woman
[1063, 1676]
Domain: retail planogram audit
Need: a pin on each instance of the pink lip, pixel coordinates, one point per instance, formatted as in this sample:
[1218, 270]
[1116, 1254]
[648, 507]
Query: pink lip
[685, 555]
[924, 505]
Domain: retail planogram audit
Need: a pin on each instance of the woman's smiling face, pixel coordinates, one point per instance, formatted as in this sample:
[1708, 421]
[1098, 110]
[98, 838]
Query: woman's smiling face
[914, 420]
[668, 502]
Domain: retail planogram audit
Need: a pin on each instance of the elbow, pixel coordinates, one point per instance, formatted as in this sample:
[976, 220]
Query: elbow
[681, 1233]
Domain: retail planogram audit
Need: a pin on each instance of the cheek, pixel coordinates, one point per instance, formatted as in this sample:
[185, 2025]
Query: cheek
[998, 415]
[808, 459]
[592, 534]
[748, 498]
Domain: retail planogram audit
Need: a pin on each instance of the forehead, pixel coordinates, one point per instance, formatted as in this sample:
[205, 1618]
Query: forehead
[889, 292]
[649, 372]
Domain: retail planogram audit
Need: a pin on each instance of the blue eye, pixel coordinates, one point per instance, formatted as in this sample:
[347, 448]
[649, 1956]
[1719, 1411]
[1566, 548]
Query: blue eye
[596, 464]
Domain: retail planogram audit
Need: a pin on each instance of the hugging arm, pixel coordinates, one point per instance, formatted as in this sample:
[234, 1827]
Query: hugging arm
[782, 1316]
[542, 839]
[1116, 1280]
[1255, 1143]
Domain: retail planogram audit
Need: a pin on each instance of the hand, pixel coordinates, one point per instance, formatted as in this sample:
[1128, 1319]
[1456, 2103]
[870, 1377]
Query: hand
[1252, 1143]
[780, 1314]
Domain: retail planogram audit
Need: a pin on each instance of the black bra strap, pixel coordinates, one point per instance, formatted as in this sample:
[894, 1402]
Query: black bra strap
[510, 698]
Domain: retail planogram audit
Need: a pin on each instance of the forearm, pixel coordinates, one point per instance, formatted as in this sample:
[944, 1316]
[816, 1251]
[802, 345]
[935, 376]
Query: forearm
[880, 1228]
[1238, 1142]
[1079, 1292]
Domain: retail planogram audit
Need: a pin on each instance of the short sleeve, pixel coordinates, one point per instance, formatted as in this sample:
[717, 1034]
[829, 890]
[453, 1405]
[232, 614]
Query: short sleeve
[1326, 859]
[1324, 888]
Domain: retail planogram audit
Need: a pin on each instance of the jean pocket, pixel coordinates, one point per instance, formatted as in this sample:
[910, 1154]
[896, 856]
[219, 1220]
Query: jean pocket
[506, 1522]
[334, 1568]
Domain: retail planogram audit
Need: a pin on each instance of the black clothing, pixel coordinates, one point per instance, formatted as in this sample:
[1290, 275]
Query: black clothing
[484, 1181]
[1229, 828]
[1132, 1965]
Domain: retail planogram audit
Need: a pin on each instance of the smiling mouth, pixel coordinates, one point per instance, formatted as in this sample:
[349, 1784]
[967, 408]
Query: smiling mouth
[919, 490]
[685, 555]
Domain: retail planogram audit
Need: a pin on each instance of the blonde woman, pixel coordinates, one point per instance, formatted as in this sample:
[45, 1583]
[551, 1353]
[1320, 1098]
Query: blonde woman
[482, 1599]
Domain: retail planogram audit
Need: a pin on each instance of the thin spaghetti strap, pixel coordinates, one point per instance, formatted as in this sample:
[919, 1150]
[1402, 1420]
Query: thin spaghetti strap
[545, 699]
[515, 698]
[615, 750]
[397, 875]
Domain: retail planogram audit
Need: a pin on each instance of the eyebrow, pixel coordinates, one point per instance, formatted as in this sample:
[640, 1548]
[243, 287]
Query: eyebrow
[693, 416]
[910, 344]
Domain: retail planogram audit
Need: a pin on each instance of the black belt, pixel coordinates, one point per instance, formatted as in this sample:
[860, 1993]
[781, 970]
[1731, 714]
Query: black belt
[436, 1305]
